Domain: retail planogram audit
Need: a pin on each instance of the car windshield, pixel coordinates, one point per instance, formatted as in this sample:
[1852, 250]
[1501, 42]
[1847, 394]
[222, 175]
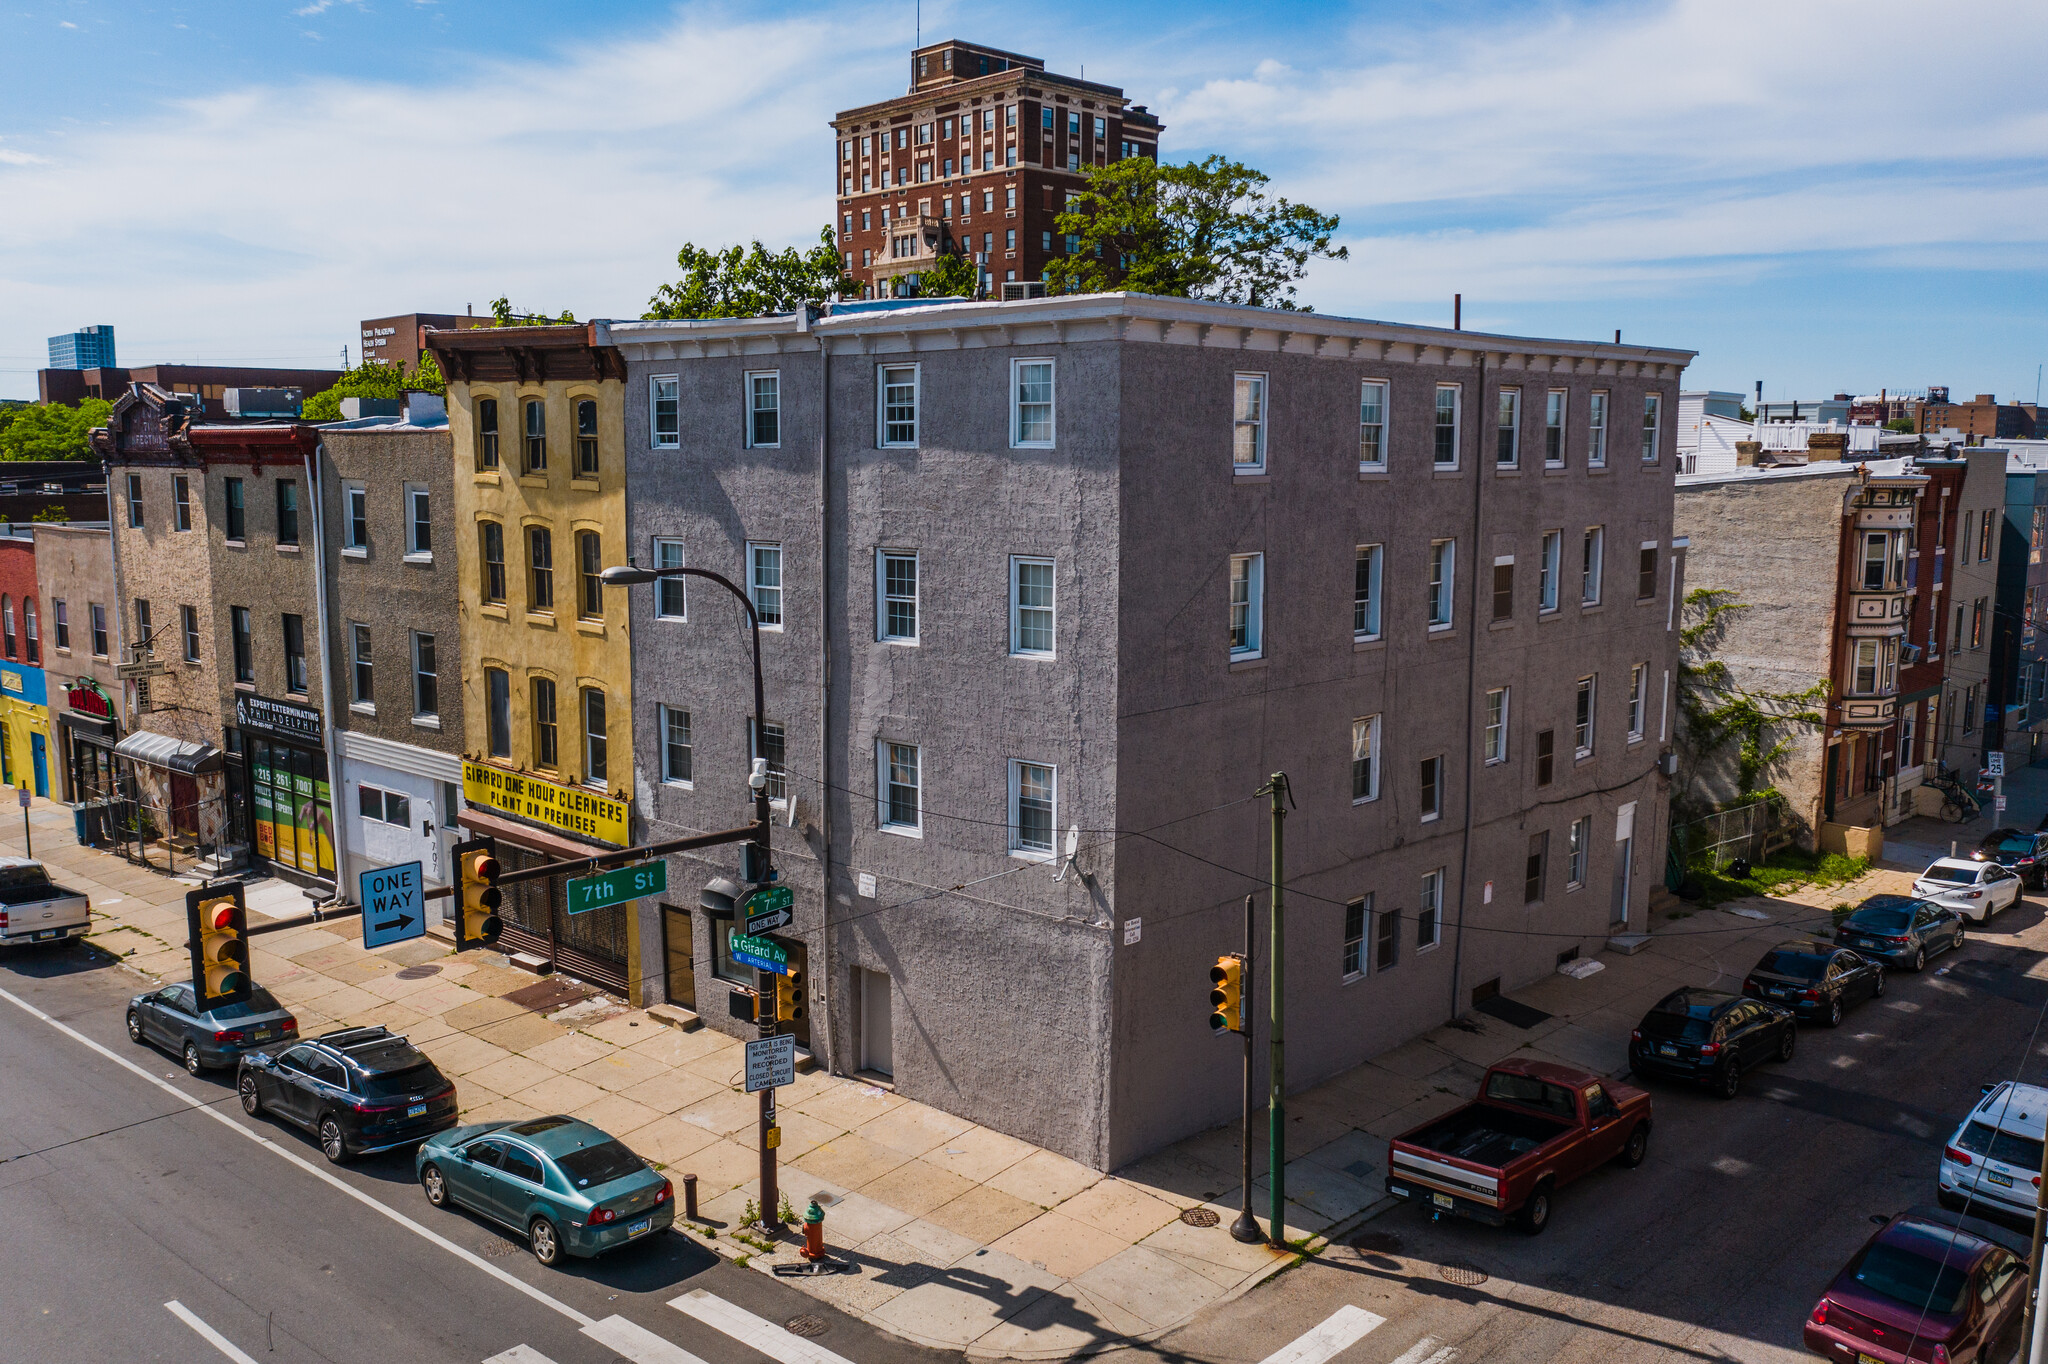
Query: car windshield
[1798, 965]
[392, 1084]
[1952, 876]
[259, 1002]
[1672, 1027]
[599, 1164]
[1920, 1283]
[1982, 1139]
[2018, 843]
[1888, 919]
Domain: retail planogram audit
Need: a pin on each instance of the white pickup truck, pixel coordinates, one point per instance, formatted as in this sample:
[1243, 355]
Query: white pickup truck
[34, 909]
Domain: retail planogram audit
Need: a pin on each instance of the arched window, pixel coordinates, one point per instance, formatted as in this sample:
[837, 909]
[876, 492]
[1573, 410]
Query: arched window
[34, 638]
[7, 623]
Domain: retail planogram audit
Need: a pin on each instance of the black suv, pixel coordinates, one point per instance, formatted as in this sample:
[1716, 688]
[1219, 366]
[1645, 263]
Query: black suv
[2025, 853]
[1710, 1037]
[359, 1090]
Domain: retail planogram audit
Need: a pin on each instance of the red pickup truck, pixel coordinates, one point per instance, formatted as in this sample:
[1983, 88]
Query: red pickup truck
[1534, 1128]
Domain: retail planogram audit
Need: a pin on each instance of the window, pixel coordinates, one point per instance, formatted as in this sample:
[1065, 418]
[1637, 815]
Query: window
[355, 517]
[60, 615]
[1876, 555]
[1553, 428]
[384, 807]
[1031, 406]
[237, 513]
[590, 563]
[492, 536]
[1984, 538]
[487, 433]
[1582, 718]
[238, 623]
[1977, 624]
[1432, 772]
[1575, 860]
[896, 579]
[7, 624]
[764, 582]
[545, 752]
[671, 599]
[1247, 605]
[1497, 726]
[764, 410]
[770, 749]
[1589, 566]
[34, 641]
[899, 405]
[1596, 431]
[1507, 446]
[596, 764]
[181, 503]
[675, 745]
[1650, 420]
[1446, 426]
[295, 654]
[664, 419]
[586, 437]
[540, 560]
[1548, 567]
[426, 678]
[362, 692]
[1646, 573]
[1365, 759]
[536, 436]
[1387, 940]
[1429, 910]
[1248, 423]
[498, 701]
[1864, 679]
[901, 811]
[1535, 871]
[1354, 937]
[1365, 593]
[1969, 532]
[1638, 685]
[1443, 564]
[419, 522]
[1031, 607]
[142, 628]
[287, 512]
[135, 500]
[1504, 588]
[1372, 424]
[1032, 813]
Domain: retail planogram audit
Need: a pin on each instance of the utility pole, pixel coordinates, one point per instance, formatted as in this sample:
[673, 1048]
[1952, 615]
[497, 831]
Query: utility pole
[2032, 1332]
[1246, 1227]
[1276, 1095]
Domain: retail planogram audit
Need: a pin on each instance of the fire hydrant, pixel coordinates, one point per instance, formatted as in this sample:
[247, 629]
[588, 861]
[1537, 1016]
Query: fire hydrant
[814, 1232]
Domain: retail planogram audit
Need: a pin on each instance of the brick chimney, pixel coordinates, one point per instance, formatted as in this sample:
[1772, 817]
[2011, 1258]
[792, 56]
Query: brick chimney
[1746, 452]
[1827, 445]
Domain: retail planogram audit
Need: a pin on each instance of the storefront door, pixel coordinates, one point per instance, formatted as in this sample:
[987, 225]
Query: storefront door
[679, 950]
[41, 755]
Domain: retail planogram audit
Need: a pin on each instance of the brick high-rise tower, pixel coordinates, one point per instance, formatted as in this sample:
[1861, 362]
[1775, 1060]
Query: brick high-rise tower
[979, 157]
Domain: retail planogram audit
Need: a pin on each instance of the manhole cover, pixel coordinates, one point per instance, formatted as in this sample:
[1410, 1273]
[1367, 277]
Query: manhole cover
[1462, 1274]
[1200, 1217]
[1376, 1242]
[418, 972]
[496, 1248]
[805, 1326]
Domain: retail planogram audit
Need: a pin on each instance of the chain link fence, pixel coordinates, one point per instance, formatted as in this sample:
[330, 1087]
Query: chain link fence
[1748, 833]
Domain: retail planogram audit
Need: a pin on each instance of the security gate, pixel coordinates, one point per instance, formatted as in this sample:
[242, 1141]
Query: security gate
[589, 946]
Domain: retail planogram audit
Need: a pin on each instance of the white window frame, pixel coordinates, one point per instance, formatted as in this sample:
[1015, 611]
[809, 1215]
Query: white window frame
[882, 422]
[1496, 745]
[1557, 416]
[1018, 608]
[655, 397]
[663, 544]
[1583, 743]
[1351, 959]
[1374, 557]
[413, 644]
[1653, 417]
[776, 776]
[1429, 910]
[591, 740]
[1254, 606]
[361, 700]
[1373, 458]
[1638, 701]
[355, 507]
[1457, 392]
[748, 409]
[413, 553]
[1436, 789]
[662, 715]
[1365, 736]
[1598, 402]
[1443, 584]
[1255, 384]
[1550, 568]
[1576, 840]
[1511, 399]
[882, 597]
[755, 586]
[1017, 845]
[1017, 441]
[1592, 564]
[882, 770]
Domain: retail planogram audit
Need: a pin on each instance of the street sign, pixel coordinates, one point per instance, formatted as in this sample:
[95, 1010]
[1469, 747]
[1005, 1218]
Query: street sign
[24, 798]
[2000, 803]
[769, 908]
[150, 668]
[617, 886]
[771, 1062]
[1994, 762]
[760, 953]
[392, 907]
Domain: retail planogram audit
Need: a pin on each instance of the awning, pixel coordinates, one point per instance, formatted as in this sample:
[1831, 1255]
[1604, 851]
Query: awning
[86, 724]
[526, 835]
[161, 750]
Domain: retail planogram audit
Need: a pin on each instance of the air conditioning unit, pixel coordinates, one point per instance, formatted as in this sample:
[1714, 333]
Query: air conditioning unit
[1016, 291]
[1667, 762]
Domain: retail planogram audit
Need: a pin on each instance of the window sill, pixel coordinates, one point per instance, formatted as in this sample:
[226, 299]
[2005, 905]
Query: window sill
[493, 610]
[1574, 887]
[900, 830]
[585, 483]
[1507, 624]
[674, 784]
[1357, 801]
[235, 544]
[288, 549]
[679, 620]
[1582, 755]
[1373, 473]
[1635, 739]
[1446, 628]
[1507, 471]
[245, 686]
[1596, 469]
[775, 629]
[1428, 947]
[533, 480]
[1551, 470]
[489, 478]
[1249, 475]
[908, 642]
[1429, 819]
[1587, 608]
[540, 621]
[1247, 663]
[425, 556]
[1351, 978]
[355, 551]
[432, 722]
[1044, 655]
[1027, 855]
[1368, 644]
[363, 707]
[593, 628]
[1445, 471]
[673, 446]
[1552, 614]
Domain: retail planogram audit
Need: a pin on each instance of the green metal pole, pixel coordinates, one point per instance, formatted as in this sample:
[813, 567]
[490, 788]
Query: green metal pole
[1276, 1101]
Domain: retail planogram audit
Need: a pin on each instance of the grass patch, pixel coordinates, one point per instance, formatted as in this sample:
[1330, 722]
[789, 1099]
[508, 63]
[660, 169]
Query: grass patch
[1788, 869]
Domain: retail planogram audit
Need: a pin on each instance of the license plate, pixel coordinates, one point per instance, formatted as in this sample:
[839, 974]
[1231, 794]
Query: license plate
[2003, 1181]
[263, 1034]
[46, 935]
[641, 1227]
[1777, 992]
[1443, 1200]
[1862, 1358]
[416, 1111]
[1666, 1049]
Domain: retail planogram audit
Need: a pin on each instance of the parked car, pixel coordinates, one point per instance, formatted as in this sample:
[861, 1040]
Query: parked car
[566, 1186]
[1814, 979]
[1901, 930]
[34, 909]
[359, 1090]
[1534, 1128]
[1993, 1162]
[1974, 889]
[2026, 853]
[1710, 1037]
[1929, 1285]
[170, 1018]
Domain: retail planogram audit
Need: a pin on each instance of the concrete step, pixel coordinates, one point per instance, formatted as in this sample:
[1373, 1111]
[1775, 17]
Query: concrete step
[529, 961]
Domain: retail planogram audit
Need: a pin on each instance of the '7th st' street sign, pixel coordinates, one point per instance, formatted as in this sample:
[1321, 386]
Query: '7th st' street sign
[617, 886]
[769, 908]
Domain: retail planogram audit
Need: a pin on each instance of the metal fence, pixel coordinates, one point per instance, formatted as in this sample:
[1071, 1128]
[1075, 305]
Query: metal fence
[1748, 832]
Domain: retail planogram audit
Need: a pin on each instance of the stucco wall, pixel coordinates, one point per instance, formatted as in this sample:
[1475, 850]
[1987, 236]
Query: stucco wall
[169, 568]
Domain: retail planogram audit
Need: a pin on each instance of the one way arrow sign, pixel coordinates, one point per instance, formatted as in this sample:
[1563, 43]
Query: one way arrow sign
[392, 908]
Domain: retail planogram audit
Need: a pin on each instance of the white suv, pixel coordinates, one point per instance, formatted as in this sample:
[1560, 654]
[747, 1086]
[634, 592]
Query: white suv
[1994, 1159]
[1975, 890]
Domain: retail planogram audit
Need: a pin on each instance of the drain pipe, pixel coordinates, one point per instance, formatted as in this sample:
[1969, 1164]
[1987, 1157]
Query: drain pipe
[827, 976]
[314, 461]
[1471, 672]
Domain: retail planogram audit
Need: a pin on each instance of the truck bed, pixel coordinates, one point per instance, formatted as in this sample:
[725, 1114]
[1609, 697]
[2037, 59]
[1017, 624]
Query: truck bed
[1486, 1135]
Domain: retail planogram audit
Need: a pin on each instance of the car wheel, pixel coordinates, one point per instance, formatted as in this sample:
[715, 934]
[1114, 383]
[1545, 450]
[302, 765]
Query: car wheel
[1834, 1018]
[1728, 1080]
[332, 1144]
[1919, 959]
[192, 1065]
[134, 1027]
[1877, 989]
[1789, 1040]
[436, 1185]
[1637, 1147]
[1957, 945]
[547, 1246]
[252, 1102]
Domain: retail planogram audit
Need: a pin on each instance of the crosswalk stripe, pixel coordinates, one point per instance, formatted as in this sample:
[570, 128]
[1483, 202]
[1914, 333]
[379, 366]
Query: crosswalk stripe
[743, 1326]
[207, 1333]
[1420, 1353]
[1344, 1328]
[519, 1354]
[637, 1343]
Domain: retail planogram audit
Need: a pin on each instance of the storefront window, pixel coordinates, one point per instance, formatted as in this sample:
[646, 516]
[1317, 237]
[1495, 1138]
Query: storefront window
[291, 806]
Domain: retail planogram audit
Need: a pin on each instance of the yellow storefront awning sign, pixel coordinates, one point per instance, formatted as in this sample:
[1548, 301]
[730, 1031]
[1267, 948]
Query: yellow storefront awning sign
[570, 809]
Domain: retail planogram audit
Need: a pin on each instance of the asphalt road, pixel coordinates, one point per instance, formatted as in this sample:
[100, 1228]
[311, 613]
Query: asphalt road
[118, 1197]
[1720, 1244]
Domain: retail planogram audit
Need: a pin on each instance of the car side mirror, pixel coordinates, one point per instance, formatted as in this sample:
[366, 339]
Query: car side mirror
[1878, 1219]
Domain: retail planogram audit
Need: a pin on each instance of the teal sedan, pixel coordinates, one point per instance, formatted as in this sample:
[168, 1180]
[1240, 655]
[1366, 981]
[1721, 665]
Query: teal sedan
[567, 1187]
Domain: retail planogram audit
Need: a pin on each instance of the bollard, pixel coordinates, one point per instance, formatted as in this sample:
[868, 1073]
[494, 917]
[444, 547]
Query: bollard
[690, 1198]
[814, 1232]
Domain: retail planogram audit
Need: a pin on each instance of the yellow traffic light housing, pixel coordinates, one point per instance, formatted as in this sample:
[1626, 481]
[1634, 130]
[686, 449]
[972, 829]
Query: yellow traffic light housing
[478, 924]
[1226, 994]
[789, 997]
[217, 923]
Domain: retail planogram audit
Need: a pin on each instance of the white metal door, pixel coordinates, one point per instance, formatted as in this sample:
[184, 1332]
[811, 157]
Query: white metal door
[876, 1027]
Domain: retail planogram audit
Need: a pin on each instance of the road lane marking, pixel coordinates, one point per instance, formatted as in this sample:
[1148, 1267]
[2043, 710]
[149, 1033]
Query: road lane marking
[200, 1106]
[207, 1333]
[785, 1347]
[1345, 1328]
[637, 1343]
[519, 1354]
[1418, 1353]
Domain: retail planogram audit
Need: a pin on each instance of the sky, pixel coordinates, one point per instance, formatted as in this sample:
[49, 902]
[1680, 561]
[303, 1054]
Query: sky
[1823, 195]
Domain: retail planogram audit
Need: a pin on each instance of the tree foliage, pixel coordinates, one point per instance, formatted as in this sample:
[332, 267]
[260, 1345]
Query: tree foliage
[950, 276]
[752, 281]
[374, 379]
[51, 430]
[502, 315]
[1903, 425]
[1714, 713]
[1205, 229]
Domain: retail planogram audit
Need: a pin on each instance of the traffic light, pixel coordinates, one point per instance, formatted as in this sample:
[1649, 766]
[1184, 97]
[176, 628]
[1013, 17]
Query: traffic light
[218, 925]
[1226, 995]
[478, 925]
[789, 997]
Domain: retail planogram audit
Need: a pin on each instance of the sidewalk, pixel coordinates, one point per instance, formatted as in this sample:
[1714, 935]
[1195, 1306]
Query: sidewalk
[965, 1238]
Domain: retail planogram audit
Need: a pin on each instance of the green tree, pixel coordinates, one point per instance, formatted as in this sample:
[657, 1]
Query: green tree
[1713, 712]
[374, 379]
[1900, 424]
[1202, 230]
[503, 316]
[53, 430]
[752, 281]
[951, 276]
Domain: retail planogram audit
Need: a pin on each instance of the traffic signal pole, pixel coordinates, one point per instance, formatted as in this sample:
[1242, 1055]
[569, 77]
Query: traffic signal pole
[1246, 1227]
[1276, 1097]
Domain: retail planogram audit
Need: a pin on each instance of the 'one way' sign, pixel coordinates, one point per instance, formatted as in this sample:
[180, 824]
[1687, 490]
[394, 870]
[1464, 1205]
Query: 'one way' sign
[392, 908]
